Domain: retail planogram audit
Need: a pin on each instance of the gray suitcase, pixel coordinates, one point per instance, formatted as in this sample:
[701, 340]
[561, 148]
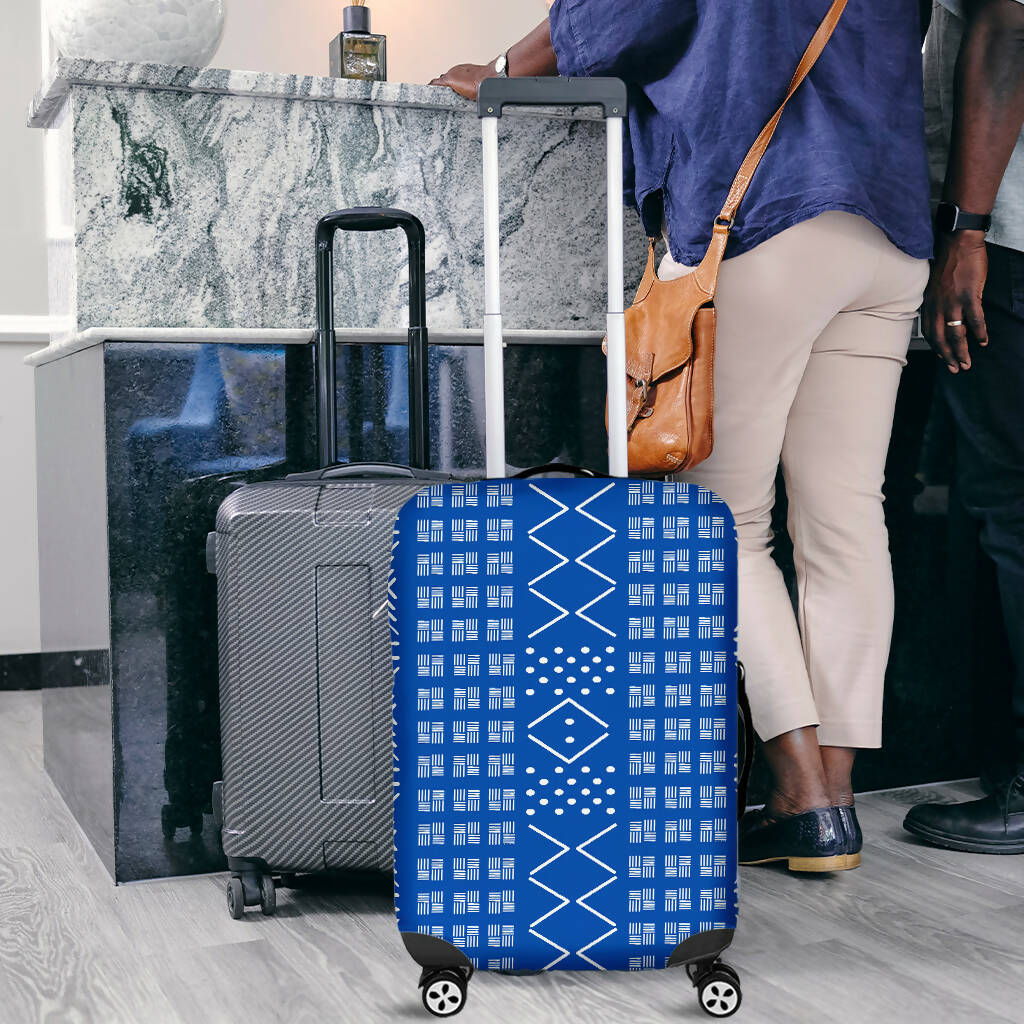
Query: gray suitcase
[305, 649]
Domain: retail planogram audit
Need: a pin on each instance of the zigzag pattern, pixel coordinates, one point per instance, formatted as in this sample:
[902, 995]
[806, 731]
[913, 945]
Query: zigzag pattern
[554, 910]
[580, 901]
[579, 561]
[563, 560]
[563, 612]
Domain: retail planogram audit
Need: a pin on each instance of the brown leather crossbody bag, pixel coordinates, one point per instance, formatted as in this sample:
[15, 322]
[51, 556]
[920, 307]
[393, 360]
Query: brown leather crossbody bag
[670, 328]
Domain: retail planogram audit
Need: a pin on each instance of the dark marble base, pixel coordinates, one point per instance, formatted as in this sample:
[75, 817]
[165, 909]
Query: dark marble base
[143, 443]
[59, 668]
[19, 672]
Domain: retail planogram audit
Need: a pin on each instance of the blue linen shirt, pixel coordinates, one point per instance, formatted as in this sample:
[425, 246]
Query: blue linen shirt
[705, 75]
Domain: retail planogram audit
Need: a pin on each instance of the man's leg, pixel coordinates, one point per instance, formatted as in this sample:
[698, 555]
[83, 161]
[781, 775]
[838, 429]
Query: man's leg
[987, 403]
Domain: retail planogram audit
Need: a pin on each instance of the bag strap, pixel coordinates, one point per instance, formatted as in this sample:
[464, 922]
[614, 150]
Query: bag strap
[707, 272]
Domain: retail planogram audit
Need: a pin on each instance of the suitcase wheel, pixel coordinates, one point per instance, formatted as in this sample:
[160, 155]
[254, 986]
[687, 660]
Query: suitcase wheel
[718, 990]
[236, 898]
[444, 992]
[268, 895]
[250, 889]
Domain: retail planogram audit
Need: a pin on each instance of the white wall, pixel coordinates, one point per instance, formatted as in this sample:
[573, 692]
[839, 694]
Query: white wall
[19, 559]
[22, 299]
[424, 38]
[22, 233]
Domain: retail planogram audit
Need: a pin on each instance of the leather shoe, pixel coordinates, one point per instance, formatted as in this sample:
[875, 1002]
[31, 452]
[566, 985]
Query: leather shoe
[811, 841]
[994, 824]
[852, 834]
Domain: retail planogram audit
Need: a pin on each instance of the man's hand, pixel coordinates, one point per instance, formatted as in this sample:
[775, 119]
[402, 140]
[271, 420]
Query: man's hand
[465, 79]
[954, 293]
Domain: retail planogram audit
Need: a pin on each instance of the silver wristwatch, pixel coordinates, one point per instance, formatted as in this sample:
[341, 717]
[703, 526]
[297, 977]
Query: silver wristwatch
[501, 66]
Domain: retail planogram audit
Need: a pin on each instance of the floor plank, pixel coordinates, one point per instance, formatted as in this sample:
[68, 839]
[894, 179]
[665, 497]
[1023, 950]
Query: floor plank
[915, 935]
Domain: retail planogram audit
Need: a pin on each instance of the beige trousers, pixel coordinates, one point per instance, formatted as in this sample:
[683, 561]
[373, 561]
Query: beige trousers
[813, 330]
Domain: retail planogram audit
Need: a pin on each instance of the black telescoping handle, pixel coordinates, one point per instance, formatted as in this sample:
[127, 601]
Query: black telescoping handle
[497, 93]
[371, 218]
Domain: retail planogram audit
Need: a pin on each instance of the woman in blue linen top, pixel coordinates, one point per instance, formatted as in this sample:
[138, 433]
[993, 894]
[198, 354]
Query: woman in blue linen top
[823, 276]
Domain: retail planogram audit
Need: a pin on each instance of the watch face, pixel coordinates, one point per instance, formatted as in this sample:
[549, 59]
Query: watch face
[501, 64]
[945, 216]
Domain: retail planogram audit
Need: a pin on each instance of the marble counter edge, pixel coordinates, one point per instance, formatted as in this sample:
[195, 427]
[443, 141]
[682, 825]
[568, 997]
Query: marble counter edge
[66, 72]
[286, 336]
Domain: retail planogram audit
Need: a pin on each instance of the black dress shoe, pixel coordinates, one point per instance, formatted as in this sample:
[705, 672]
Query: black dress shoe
[812, 841]
[852, 834]
[994, 824]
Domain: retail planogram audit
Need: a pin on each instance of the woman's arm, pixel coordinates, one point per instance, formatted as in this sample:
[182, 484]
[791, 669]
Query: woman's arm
[531, 56]
[593, 37]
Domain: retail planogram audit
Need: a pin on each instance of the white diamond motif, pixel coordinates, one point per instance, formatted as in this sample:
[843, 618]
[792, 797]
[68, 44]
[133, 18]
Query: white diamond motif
[576, 754]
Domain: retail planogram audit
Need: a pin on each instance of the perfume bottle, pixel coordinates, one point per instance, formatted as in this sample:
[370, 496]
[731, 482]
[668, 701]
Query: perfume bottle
[356, 52]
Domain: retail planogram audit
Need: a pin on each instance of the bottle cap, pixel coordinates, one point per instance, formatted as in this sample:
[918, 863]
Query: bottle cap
[356, 19]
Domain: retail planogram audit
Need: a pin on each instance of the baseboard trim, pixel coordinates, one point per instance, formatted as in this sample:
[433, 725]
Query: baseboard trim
[54, 669]
[30, 330]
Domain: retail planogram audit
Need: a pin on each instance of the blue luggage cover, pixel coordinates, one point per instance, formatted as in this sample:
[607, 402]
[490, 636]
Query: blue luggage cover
[565, 720]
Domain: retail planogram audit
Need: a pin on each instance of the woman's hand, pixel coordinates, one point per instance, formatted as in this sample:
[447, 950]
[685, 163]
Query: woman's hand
[532, 55]
[465, 79]
[952, 310]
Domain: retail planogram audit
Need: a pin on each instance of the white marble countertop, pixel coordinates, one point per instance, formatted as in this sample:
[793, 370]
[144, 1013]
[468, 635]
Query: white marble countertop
[259, 336]
[69, 71]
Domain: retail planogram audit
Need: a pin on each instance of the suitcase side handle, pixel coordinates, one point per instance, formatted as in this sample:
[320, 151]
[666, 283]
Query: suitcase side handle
[498, 93]
[371, 218]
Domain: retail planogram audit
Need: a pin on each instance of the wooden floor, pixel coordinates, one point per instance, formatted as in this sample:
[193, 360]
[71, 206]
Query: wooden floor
[916, 934]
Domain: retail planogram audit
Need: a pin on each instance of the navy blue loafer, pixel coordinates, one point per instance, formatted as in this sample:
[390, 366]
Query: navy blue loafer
[812, 841]
[853, 835]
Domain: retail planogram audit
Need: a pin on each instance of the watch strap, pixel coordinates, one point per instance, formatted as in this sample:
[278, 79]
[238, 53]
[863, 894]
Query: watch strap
[972, 221]
[950, 218]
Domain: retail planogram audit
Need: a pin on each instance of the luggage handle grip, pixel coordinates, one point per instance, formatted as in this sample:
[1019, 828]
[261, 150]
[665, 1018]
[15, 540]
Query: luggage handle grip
[371, 218]
[497, 93]
[358, 469]
[559, 467]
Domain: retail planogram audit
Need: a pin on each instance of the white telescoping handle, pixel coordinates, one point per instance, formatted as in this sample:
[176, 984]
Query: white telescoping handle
[618, 459]
[494, 354]
[494, 364]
